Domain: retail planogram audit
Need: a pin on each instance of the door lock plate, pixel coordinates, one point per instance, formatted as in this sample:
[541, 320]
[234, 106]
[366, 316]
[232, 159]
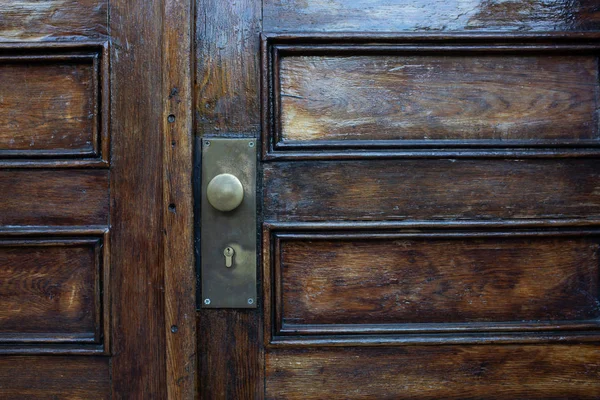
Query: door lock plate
[228, 235]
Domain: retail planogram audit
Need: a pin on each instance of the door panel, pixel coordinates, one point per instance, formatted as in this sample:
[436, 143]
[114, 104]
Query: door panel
[431, 190]
[95, 200]
[448, 372]
[428, 15]
[51, 20]
[426, 98]
[429, 198]
[360, 280]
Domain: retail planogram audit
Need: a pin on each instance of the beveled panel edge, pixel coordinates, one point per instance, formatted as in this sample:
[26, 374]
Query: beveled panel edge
[274, 45]
[97, 52]
[99, 344]
[279, 334]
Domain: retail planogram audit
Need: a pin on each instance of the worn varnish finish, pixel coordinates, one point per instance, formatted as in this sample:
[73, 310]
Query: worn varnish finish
[227, 103]
[54, 197]
[180, 279]
[467, 97]
[136, 187]
[437, 279]
[432, 189]
[448, 372]
[227, 72]
[232, 368]
[49, 378]
[50, 290]
[48, 106]
[32, 20]
[429, 15]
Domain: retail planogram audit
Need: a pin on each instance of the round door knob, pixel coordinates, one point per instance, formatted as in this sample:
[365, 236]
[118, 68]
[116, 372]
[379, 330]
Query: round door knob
[225, 192]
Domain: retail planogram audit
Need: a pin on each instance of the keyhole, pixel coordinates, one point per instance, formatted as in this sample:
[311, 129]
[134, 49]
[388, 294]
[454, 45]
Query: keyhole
[229, 252]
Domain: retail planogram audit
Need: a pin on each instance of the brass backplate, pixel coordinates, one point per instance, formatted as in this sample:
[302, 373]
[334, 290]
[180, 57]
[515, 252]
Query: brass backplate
[234, 286]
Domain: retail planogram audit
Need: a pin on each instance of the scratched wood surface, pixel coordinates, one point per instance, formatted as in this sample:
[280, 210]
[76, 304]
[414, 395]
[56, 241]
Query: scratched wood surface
[460, 97]
[430, 15]
[136, 187]
[361, 281]
[54, 197]
[48, 288]
[431, 190]
[47, 106]
[49, 378]
[435, 372]
[50, 20]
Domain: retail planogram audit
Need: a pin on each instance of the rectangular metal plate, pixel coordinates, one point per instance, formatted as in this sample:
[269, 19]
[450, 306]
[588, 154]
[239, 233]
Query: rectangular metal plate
[233, 287]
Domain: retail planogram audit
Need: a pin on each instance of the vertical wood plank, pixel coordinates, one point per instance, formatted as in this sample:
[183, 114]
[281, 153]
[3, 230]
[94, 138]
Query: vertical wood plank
[177, 200]
[230, 355]
[138, 333]
[227, 102]
[228, 62]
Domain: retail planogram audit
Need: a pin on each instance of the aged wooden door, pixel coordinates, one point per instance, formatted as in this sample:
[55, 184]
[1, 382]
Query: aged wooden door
[430, 197]
[95, 200]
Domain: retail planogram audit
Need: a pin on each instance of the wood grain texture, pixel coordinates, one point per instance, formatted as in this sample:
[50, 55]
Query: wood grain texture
[429, 15]
[444, 372]
[431, 190]
[361, 281]
[227, 74]
[50, 289]
[137, 258]
[48, 106]
[462, 97]
[230, 354]
[49, 378]
[180, 279]
[54, 197]
[230, 358]
[32, 20]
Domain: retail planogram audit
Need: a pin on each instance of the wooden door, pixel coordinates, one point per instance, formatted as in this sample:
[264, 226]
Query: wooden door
[95, 200]
[430, 197]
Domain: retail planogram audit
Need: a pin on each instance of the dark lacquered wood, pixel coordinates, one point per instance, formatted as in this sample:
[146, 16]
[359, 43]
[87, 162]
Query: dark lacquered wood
[137, 258]
[32, 20]
[227, 74]
[227, 91]
[54, 197]
[48, 107]
[238, 374]
[180, 279]
[436, 279]
[449, 372]
[429, 15]
[431, 190]
[450, 97]
[50, 290]
[49, 378]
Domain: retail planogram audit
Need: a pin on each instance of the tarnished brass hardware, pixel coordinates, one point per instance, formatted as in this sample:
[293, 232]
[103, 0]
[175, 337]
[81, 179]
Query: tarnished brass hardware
[228, 223]
[229, 253]
[225, 192]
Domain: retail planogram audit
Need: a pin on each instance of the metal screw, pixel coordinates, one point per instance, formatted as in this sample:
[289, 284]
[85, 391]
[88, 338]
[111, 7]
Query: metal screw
[250, 301]
[207, 301]
[207, 143]
[251, 144]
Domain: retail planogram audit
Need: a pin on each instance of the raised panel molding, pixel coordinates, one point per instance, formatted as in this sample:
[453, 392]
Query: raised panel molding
[521, 82]
[56, 102]
[543, 299]
[54, 291]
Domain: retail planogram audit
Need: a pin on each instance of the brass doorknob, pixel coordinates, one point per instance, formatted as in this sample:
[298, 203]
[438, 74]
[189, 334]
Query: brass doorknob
[225, 192]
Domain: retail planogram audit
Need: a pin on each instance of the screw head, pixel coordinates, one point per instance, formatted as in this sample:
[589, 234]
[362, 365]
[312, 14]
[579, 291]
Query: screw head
[250, 144]
[207, 301]
[207, 143]
[250, 301]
